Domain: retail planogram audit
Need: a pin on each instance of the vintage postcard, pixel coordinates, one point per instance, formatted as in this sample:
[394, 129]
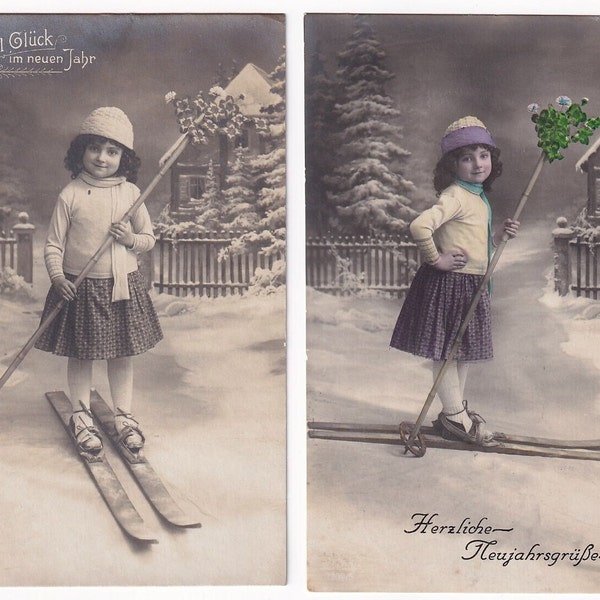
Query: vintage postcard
[142, 300]
[441, 459]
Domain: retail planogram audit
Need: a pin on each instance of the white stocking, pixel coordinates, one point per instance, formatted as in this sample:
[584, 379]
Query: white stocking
[120, 380]
[79, 377]
[463, 370]
[450, 391]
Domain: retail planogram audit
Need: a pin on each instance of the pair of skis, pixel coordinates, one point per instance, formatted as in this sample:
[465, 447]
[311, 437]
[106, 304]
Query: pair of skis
[430, 437]
[107, 482]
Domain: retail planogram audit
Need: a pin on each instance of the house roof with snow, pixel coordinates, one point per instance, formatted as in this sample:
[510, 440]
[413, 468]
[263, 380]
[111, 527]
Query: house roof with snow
[251, 88]
[581, 163]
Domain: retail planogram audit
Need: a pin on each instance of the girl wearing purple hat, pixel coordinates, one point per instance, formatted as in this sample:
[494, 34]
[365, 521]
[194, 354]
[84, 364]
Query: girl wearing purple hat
[110, 315]
[455, 241]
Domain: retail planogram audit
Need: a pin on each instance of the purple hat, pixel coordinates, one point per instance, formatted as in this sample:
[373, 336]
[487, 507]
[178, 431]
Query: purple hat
[465, 132]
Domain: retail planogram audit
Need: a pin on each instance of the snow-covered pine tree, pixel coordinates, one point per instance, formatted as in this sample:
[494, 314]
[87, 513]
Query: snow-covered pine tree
[272, 167]
[239, 196]
[367, 190]
[210, 206]
[269, 232]
[320, 97]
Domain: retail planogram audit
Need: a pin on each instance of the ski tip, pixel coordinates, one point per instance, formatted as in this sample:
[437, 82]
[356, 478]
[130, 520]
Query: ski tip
[176, 516]
[187, 524]
[145, 540]
[142, 535]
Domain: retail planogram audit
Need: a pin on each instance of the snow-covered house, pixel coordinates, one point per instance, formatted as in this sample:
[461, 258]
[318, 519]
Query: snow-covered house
[251, 88]
[590, 163]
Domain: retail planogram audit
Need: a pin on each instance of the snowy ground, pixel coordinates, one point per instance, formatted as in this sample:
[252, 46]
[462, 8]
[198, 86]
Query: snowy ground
[211, 397]
[544, 380]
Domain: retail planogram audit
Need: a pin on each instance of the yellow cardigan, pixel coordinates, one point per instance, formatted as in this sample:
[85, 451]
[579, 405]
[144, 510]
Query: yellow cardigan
[459, 220]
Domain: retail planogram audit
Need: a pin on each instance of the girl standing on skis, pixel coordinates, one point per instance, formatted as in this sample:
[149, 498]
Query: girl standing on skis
[455, 240]
[110, 315]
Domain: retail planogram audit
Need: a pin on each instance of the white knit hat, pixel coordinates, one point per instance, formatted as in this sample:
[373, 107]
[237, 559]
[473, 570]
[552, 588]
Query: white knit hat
[109, 122]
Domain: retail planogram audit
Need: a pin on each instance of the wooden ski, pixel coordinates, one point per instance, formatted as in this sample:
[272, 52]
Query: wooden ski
[386, 434]
[146, 477]
[104, 477]
[501, 437]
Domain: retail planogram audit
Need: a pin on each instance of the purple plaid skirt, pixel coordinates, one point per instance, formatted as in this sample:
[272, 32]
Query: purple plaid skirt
[433, 311]
[92, 327]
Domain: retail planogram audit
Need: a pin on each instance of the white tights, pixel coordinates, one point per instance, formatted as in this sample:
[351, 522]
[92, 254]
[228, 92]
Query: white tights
[120, 379]
[451, 390]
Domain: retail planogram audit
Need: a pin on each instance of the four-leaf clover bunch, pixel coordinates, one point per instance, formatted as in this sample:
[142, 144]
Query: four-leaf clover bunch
[557, 128]
[203, 117]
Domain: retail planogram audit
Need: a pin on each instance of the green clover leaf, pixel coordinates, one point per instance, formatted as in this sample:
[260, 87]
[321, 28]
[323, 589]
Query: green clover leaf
[556, 129]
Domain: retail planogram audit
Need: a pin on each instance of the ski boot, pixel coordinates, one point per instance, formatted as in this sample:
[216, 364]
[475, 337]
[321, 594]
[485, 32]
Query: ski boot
[129, 433]
[87, 437]
[452, 430]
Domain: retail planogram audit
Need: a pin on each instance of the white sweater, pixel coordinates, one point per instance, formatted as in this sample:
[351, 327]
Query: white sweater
[80, 224]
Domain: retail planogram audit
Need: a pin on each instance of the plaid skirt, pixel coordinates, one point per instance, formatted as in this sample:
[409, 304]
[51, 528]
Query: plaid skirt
[92, 327]
[433, 312]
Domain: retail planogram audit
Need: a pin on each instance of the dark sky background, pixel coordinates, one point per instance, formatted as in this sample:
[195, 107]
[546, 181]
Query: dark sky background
[449, 66]
[139, 58]
[445, 67]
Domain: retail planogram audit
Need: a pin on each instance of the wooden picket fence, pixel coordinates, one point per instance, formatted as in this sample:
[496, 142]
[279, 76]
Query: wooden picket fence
[16, 248]
[8, 251]
[576, 261]
[346, 265]
[584, 271]
[194, 266]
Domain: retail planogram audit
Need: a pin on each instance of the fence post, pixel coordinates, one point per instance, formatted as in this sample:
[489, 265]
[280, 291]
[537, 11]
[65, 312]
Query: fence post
[562, 234]
[23, 231]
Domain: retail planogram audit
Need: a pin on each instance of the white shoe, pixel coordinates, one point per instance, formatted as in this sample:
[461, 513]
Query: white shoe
[86, 435]
[130, 434]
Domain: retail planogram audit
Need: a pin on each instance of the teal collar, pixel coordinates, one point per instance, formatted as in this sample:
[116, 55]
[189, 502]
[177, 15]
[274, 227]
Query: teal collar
[475, 188]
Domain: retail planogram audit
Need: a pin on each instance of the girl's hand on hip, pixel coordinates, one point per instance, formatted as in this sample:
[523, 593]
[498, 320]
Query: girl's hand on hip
[451, 261]
[66, 289]
[122, 234]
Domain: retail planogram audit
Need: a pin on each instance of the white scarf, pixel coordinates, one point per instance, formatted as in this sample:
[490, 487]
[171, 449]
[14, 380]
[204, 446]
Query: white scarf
[118, 251]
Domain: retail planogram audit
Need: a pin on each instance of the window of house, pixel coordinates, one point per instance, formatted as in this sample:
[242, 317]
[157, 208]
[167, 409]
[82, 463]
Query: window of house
[192, 186]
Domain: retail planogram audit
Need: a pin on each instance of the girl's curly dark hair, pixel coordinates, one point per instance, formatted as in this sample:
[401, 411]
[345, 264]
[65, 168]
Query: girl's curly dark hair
[130, 162]
[445, 171]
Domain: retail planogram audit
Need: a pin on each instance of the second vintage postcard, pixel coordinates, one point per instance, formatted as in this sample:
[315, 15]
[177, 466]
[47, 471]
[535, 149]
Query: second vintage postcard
[452, 366]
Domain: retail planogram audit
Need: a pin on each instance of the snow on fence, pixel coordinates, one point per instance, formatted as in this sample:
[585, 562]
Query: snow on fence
[576, 258]
[16, 249]
[345, 265]
[194, 266]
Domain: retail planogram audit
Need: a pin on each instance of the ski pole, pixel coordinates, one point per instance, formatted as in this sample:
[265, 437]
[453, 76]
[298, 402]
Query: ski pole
[174, 153]
[414, 431]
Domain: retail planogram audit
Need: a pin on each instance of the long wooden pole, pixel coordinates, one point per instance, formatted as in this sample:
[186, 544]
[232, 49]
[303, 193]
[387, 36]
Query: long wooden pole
[174, 153]
[473, 306]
